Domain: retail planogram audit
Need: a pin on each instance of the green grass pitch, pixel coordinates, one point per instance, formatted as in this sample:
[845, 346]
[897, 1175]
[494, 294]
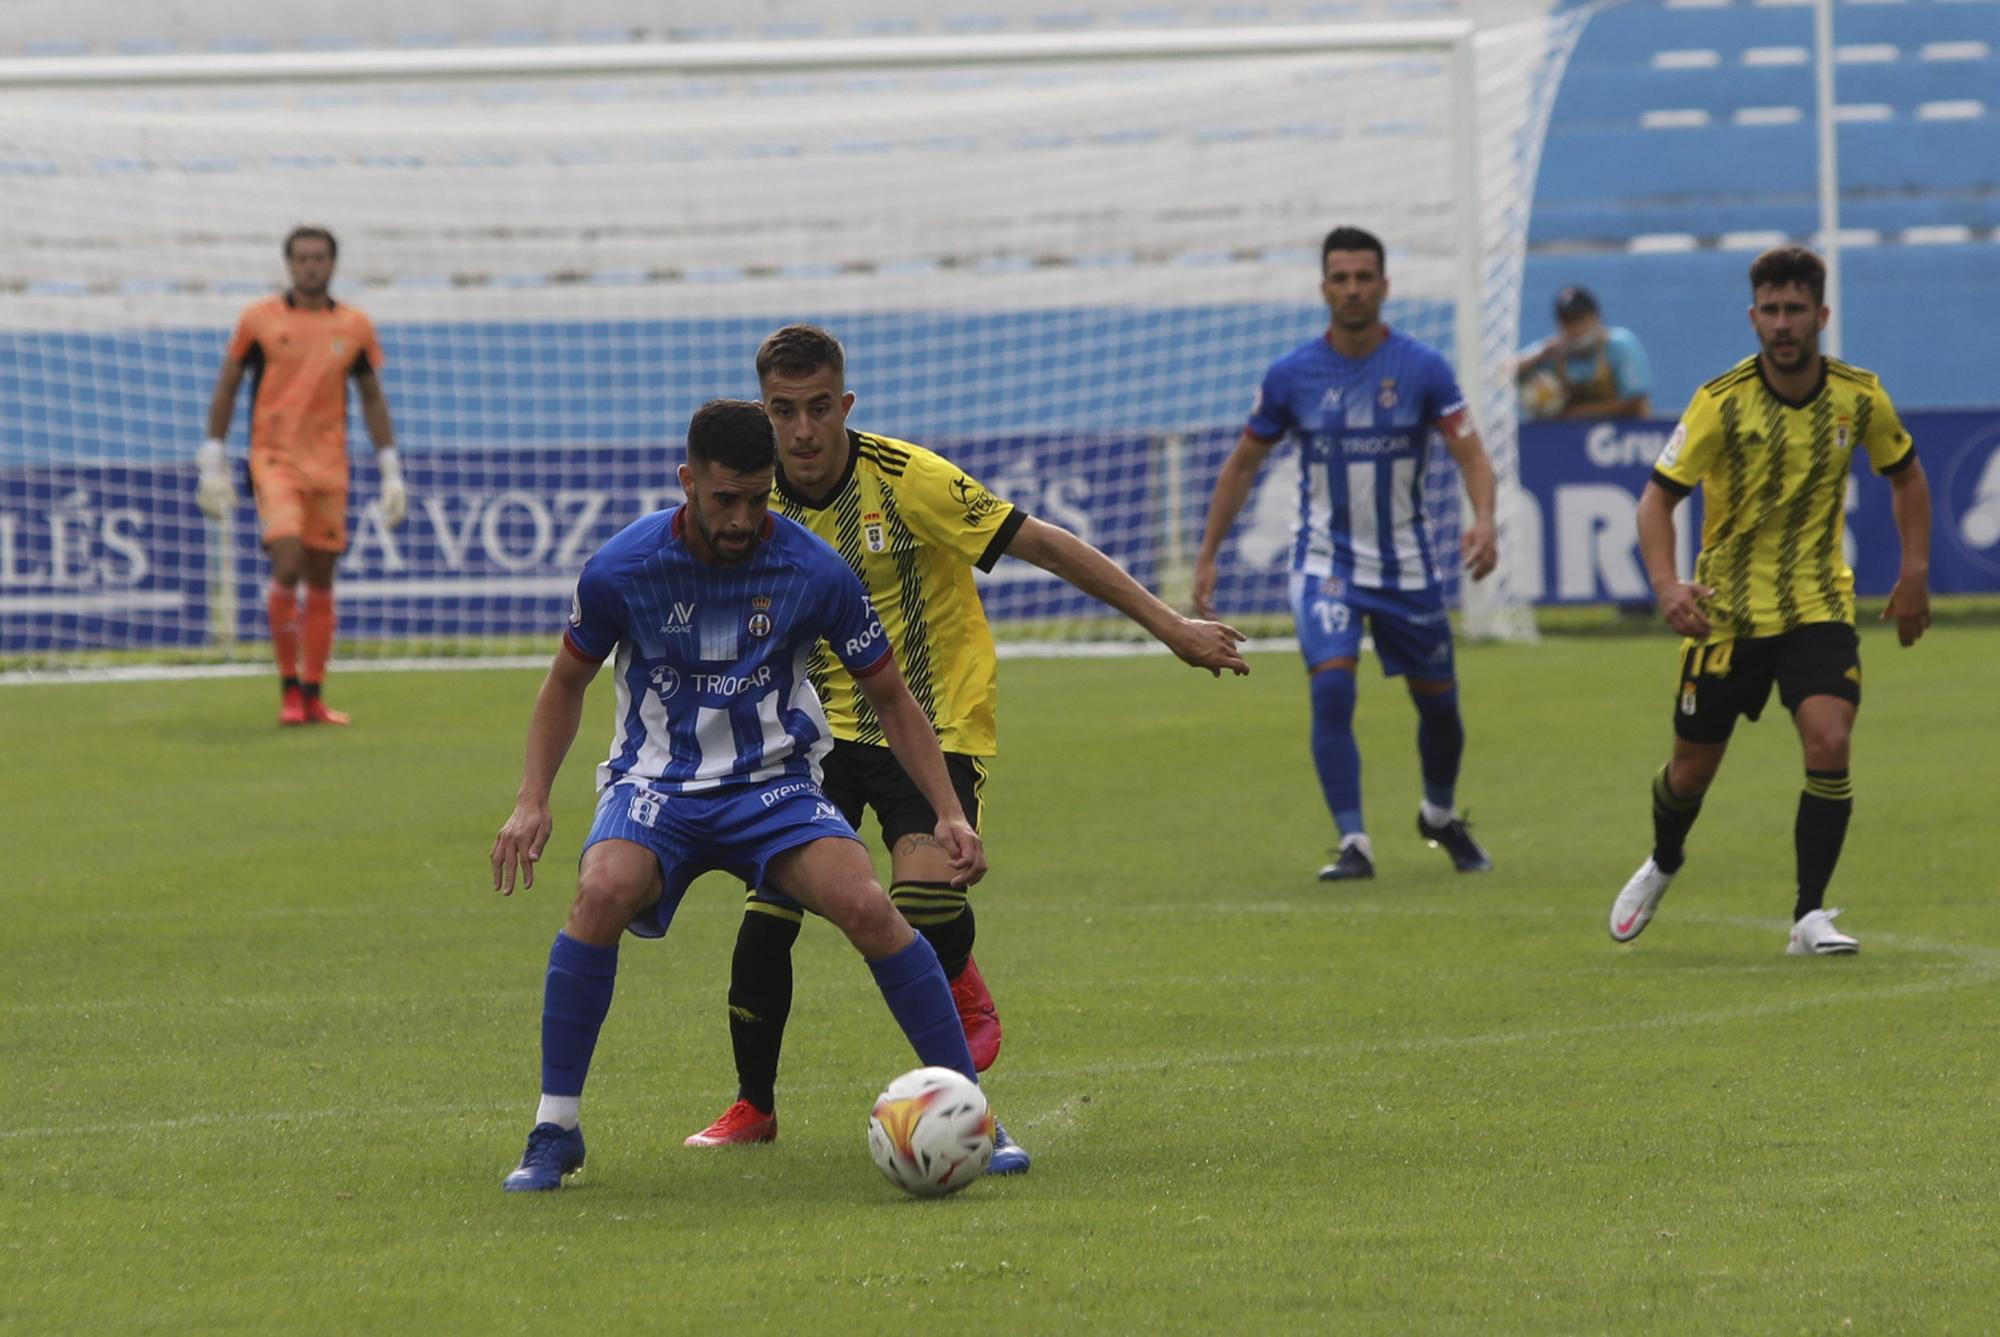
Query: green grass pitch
[270, 1043]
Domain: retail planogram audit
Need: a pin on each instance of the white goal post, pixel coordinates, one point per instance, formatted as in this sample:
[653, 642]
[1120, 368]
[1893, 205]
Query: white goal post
[1062, 259]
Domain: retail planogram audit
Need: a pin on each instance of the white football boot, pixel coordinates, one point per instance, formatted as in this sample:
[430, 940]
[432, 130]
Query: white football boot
[1815, 935]
[1634, 908]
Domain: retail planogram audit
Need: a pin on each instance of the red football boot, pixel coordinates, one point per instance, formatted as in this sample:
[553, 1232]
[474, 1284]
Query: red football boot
[741, 1123]
[977, 1014]
[318, 712]
[293, 711]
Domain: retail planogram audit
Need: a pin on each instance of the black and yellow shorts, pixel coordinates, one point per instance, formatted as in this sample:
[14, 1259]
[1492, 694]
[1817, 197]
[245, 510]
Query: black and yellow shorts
[1723, 680]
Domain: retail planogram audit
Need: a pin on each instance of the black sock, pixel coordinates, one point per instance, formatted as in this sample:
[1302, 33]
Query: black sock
[288, 685]
[312, 691]
[941, 913]
[1821, 829]
[760, 1000]
[1673, 817]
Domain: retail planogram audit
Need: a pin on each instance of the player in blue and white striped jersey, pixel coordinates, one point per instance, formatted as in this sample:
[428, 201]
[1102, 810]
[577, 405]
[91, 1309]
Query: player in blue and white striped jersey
[712, 610]
[1362, 401]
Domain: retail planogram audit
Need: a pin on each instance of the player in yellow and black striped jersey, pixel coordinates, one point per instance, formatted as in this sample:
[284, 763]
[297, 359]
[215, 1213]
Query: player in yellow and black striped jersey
[1772, 600]
[913, 526]
[1774, 478]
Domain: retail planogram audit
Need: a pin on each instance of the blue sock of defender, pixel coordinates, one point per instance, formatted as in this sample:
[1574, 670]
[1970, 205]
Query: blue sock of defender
[1440, 744]
[913, 985]
[1336, 756]
[576, 997]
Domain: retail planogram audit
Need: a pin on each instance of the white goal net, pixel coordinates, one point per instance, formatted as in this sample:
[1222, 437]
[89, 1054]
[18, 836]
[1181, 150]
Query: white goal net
[1065, 265]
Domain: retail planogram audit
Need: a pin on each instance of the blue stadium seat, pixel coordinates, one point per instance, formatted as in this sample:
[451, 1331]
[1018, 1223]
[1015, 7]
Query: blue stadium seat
[1629, 34]
[1907, 84]
[1614, 223]
[1921, 155]
[1891, 215]
[1915, 22]
[1710, 162]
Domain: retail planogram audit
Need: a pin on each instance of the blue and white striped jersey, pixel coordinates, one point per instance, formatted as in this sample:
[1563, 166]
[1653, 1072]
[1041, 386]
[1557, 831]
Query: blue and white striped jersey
[1364, 428]
[711, 659]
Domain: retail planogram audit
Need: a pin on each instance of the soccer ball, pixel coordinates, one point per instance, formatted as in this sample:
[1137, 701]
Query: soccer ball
[1543, 395]
[930, 1132]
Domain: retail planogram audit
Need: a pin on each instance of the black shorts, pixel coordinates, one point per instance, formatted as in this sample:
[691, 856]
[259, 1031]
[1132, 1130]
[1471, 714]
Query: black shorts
[858, 776]
[1727, 679]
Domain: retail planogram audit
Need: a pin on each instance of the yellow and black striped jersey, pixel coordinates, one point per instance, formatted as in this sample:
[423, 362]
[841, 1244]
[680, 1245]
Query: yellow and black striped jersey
[913, 525]
[1773, 474]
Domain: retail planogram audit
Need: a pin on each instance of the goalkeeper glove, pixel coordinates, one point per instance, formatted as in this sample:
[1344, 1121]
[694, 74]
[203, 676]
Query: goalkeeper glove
[395, 497]
[215, 494]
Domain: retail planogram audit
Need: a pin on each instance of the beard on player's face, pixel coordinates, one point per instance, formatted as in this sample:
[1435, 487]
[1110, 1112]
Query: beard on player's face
[1788, 350]
[727, 508]
[729, 541]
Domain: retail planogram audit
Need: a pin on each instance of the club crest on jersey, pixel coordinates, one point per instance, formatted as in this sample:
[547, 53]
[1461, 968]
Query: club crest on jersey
[339, 345]
[759, 624]
[1841, 427]
[666, 680]
[1333, 587]
[872, 533]
[1386, 396]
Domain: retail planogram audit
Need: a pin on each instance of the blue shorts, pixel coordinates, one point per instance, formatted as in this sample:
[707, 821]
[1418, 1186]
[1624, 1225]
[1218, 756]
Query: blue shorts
[1412, 628]
[737, 830]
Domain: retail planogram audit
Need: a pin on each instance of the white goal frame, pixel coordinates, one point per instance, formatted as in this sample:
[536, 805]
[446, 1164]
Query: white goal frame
[1453, 42]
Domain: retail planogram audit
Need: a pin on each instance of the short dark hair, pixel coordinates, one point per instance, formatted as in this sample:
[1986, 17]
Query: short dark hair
[1790, 264]
[306, 232]
[1353, 239]
[733, 433]
[800, 350]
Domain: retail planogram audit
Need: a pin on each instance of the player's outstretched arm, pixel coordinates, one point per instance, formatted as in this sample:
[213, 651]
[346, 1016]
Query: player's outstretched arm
[1232, 489]
[1209, 645]
[551, 729]
[1679, 600]
[914, 742]
[1910, 601]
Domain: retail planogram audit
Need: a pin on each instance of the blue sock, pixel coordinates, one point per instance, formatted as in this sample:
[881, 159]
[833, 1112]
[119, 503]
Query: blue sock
[576, 996]
[913, 984]
[1335, 754]
[1440, 744]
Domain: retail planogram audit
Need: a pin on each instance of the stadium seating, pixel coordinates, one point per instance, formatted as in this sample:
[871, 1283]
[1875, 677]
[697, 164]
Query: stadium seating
[1683, 139]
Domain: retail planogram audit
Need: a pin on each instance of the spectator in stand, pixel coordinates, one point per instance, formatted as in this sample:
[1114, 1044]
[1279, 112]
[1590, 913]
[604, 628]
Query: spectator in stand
[1587, 369]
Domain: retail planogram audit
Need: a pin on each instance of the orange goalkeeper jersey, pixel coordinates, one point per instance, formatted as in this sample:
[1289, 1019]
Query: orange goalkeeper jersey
[299, 363]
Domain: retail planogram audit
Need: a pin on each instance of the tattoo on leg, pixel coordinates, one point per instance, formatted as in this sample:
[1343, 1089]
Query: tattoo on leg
[910, 844]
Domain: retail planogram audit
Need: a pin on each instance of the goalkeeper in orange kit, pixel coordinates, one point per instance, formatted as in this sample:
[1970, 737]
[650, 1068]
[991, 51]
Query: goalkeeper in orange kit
[300, 349]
